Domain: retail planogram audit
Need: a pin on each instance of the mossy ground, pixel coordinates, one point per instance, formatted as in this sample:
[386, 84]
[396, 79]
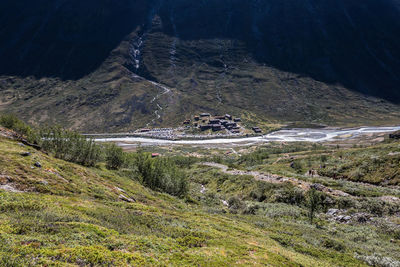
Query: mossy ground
[71, 215]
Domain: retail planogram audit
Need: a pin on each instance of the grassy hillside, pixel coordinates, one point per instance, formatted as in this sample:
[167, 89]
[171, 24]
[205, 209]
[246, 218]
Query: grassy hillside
[375, 164]
[70, 214]
[67, 214]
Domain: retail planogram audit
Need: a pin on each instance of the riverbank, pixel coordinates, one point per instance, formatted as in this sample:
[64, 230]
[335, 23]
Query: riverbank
[288, 135]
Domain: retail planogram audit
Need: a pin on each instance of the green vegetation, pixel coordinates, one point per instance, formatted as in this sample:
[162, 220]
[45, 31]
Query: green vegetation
[114, 157]
[69, 146]
[129, 209]
[254, 158]
[12, 122]
[314, 201]
[62, 143]
[286, 211]
[70, 214]
[161, 174]
[158, 174]
[374, 164]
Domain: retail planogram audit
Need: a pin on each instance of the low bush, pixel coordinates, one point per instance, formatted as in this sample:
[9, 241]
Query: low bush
[255, 158]
[290, 195]
[297, 166]
[184, 162]
[235, 204]
[280, 210]
[64, 144]
[251, 209]
[114, 157]
[333, 244]
[378, 260]
[263, 191]
[161, 174]
[70, 146]
[12, 122]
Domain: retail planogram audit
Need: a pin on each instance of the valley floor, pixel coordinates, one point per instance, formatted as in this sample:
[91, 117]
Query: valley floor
[338, 135]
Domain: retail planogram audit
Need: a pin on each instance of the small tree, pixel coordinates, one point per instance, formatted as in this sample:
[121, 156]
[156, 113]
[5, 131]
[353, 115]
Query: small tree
[315, 199]
[114, 157]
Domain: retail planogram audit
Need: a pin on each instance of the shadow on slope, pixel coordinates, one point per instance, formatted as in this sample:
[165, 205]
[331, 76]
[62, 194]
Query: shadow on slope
[336, 41]
[346, 42]
[65, 38]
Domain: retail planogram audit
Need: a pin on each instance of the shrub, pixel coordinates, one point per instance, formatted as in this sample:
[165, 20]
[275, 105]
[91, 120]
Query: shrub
[12, 122]
[333, 244]
[297, 166]
[262, 192]
[161, 174]
[324, 158]
[235, 204]
[280, 210]
[114, 157]
[254, 158]
[70, 146]
[184, 162]
[357, 174]
[345, 203]
[290, 195]
[251, 209]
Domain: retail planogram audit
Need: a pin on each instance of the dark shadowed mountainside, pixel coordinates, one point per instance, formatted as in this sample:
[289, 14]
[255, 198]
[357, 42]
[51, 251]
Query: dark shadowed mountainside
[92, 65]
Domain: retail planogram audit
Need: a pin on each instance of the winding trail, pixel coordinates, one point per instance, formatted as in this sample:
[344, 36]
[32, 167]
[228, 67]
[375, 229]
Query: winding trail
[272, 178]
[136, 60]
[166, 90]
[277, 179]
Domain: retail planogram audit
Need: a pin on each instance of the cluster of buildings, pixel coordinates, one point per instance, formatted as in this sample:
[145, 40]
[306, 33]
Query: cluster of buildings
[256, 130]
[205, 121]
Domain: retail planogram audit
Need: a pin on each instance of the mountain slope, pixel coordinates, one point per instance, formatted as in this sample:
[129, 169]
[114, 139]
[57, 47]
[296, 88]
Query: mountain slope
[64, 213]
[333, 62]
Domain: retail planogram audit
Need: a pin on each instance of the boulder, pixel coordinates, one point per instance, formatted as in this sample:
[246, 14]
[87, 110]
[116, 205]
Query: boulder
[127, 199]
[332, 212]
[37, 164]
[362, 217]
[346, 218]
[318, 187]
